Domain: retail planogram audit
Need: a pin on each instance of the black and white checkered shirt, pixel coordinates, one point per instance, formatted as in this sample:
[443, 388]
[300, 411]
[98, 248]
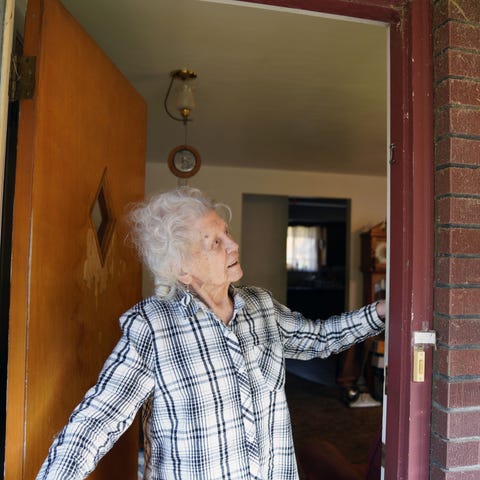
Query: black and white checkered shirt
[217, 391]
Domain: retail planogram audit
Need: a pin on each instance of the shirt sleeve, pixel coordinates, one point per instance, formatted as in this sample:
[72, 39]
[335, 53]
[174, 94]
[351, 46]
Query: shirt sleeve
[305, 339]
[108, 408]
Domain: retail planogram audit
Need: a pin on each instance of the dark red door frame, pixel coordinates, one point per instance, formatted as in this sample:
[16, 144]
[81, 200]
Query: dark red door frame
[411, 218]
[411, 242]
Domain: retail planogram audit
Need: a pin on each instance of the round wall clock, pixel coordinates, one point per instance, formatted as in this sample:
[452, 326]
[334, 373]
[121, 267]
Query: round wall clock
[381, 252]
[184, 161]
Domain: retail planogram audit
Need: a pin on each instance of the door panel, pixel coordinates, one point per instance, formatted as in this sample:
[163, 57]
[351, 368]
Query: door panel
[81, 160]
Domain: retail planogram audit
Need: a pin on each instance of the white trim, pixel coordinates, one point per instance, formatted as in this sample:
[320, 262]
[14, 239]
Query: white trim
[7, 41]
[389, 223]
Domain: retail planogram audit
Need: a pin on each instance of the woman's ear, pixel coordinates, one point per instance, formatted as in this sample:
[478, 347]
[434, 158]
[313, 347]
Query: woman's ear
[184, 277]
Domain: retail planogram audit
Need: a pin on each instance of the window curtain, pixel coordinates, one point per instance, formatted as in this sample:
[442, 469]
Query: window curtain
[306, 248]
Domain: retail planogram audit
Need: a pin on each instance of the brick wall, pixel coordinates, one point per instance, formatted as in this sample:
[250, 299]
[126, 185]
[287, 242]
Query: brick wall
[456, 385]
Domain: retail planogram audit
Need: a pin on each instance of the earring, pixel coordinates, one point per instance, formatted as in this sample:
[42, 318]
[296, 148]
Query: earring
[187, 298]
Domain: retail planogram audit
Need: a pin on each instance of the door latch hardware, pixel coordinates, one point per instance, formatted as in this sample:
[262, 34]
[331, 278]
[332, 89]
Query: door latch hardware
[428, 337]
[418, 364]
[421, 339]
[391, 159]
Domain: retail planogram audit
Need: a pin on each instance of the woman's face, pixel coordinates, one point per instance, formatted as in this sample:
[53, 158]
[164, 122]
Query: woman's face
[214, 260]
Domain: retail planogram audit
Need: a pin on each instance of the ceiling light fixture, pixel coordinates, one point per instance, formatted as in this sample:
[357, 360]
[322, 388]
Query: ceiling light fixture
[184, 160]
[184, 100]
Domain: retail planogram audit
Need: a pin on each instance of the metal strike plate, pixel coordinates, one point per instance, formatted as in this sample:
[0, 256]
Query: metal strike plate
[428, 337]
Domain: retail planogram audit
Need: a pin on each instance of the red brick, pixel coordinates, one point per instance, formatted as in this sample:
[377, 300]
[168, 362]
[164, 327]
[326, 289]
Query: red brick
[438, 474]
[456, 63]
[457, 301]
[458, 331]
[458, 270]
[456, 35]
[455, 424]
[457, 150]
[463, 10]
[455, 454]
[457, 92]
[456, 394]
[457, 120]
[458, 241]
[454, 363]
[457, 180]
[464, 211]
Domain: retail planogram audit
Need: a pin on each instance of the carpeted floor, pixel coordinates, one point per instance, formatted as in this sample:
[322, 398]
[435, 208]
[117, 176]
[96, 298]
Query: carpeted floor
[326, 430]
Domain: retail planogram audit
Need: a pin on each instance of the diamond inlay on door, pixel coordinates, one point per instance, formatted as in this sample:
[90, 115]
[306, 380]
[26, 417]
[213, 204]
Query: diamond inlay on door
[102, 218]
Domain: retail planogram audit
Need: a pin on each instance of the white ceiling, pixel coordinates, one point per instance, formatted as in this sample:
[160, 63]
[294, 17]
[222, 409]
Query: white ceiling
[276, 88]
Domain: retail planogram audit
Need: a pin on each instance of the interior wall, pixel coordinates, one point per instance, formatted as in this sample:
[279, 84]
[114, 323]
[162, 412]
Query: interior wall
[368, 195]
[264, 243]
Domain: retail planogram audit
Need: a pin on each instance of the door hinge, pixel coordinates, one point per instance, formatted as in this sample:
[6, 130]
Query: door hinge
[22, 78]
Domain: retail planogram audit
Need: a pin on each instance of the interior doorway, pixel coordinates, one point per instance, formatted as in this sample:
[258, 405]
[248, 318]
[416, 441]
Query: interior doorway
[317, 255]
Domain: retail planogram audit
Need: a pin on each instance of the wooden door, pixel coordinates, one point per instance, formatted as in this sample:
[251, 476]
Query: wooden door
[81, 160]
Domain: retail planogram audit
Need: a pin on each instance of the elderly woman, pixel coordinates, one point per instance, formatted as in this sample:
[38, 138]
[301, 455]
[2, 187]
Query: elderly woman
[209, 355]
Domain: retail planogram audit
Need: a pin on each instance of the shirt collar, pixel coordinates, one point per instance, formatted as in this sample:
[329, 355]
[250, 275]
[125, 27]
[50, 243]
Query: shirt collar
[238, 301]
[184, 298]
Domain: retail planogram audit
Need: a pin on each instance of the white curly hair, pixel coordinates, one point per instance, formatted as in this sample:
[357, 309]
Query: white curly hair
[162, 232]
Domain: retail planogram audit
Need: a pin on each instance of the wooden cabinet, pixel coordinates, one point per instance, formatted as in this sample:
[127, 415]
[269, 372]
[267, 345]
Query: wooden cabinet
[374, 262]
[373, 267]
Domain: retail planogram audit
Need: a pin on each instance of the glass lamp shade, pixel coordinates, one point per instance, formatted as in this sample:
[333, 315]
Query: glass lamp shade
[184, 97]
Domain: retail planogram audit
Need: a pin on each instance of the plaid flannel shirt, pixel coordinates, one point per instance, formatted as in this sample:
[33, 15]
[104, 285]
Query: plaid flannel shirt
[218, 406]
